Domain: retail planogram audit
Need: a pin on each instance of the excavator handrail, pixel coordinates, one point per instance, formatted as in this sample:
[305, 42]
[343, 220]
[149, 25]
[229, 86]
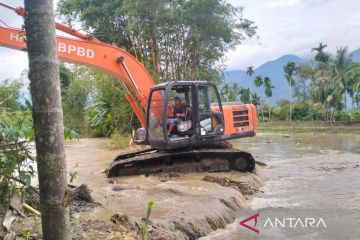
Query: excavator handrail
[87, 50]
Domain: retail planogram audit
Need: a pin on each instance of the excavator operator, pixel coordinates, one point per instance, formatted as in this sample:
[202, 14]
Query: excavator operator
[178, 116]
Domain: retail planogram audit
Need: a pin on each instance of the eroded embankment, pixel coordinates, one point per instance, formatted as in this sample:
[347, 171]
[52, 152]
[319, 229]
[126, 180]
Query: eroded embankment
[186, 206]
[194, 205]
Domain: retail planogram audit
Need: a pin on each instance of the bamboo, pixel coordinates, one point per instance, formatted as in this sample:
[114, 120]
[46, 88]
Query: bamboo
[31, 209]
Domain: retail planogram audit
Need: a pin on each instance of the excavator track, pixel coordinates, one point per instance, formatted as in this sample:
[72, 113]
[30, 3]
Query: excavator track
[152, 161]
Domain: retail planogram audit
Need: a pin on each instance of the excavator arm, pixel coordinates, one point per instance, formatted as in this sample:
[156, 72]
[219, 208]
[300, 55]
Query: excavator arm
[87, 50]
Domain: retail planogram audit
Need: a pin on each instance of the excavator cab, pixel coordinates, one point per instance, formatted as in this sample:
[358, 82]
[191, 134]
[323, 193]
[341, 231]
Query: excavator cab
[202, 120]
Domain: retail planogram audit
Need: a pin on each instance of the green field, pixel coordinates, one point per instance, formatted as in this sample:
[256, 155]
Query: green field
[308, 127]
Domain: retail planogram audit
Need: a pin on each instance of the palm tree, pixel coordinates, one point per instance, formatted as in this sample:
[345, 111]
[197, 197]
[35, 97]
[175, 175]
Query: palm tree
[321, 56]
[225, 92]
[233, 92]
[258, 81]
[250, 71]
[325, 91]
[255, 99]
[245, 95]
[342, 64]
[357, 99]
[289, 70]
[268, 91]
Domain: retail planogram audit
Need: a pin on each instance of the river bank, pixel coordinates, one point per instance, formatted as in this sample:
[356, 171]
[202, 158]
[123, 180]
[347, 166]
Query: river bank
[186, 206]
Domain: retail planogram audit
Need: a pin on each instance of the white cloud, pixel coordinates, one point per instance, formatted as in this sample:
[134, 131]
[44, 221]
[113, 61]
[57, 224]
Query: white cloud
[284, 27]
[294, 27]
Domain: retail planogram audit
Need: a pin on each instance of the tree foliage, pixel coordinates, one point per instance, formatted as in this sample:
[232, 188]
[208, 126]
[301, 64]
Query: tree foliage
[325, 81]
[175, 40]
[10, 94]
[16, 158]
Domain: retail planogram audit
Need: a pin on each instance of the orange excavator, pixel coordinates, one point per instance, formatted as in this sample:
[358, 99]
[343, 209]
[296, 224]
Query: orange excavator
[198, 143]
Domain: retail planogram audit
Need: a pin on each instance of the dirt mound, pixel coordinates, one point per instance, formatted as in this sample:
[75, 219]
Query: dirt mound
[244, 188]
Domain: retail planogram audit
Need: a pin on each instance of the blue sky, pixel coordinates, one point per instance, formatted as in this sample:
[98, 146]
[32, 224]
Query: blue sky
[284, 27]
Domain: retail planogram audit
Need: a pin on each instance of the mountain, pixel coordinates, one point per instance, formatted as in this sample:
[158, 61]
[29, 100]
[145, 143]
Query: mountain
[356, 56]
[275, 71]
[272, 69]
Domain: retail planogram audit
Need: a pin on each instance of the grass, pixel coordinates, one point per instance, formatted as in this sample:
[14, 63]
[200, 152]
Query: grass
[119, 141]
[307, 127]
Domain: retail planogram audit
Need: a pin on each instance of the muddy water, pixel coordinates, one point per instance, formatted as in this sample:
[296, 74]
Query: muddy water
[308, 176]
[185, 205]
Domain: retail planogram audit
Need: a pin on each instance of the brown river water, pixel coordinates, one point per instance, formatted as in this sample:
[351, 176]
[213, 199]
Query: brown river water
[308, 178]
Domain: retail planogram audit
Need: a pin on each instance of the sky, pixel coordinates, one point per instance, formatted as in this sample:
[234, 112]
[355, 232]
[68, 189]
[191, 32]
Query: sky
[284, 27]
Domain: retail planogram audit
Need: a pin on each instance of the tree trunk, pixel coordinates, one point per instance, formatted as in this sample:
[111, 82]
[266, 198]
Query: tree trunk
[269, 113]
[48, 117]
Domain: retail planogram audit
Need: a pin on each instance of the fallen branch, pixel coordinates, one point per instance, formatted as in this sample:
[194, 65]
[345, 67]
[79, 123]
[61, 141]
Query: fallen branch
[17, 210]
[30, 209]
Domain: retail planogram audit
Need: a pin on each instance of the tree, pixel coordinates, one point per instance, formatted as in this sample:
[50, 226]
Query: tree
[342, 64]
[245, 95]
[303, 75]
[109, 112]
[255, 99]
[225, 92]
[258, 81]
[171, 38]
[321, 56]
[48, 117]
[268, 91]
[353, 82]
[325, 92]
[233, 92]
[75, 98]
[250, 72]
[289, 70]
[10, 93]
[357, 99]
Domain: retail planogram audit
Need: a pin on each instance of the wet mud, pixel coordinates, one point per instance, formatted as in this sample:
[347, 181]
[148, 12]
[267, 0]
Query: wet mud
[186, 206]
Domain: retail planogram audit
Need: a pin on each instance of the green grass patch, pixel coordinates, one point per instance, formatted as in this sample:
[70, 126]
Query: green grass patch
[119, 141]
[307, 127]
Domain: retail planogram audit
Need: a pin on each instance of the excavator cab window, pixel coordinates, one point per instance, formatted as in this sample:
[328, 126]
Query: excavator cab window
[155, 121]
[211, 121]
[183, 128]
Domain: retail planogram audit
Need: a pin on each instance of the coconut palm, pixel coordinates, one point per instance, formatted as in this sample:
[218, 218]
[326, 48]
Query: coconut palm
[289, 70]
[325, 92]
[268, 91]
[258, 81]
[357, 99]
[245, 95]
[321, 56]
[250, 71]
[225, 92]
[255, 99]
[343, 64]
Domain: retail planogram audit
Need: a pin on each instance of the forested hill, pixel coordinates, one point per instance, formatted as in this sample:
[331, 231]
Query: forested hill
[274, 70]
